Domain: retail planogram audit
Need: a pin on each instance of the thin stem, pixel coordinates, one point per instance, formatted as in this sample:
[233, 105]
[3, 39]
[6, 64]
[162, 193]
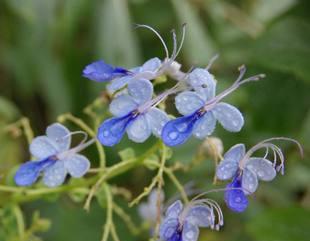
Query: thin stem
[107, 226]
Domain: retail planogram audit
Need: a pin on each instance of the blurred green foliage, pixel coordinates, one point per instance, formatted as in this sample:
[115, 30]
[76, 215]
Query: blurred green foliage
[44, 46]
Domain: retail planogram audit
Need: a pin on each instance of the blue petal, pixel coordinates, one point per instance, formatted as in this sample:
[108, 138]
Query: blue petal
[168, 229]
[112, 130]
[55, 174]
[177, 131]
[204, 126]
[200, 215]
[100, 71]
[141, 90]
[29, 172]
[42, 147]
[139, 129]
[77, 165]
[174, 210]
[187, 102]
[60, 135]
[190, 232]
[235, 199]
[118, 83]
[122, 105]
[228, 116]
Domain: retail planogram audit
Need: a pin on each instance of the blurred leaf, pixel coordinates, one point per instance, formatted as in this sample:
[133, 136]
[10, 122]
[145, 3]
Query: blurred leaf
[287, 224]
[127, 154]
[285, 47]
[8, 111]
[116, 43]
[267, 10]
[199, 47]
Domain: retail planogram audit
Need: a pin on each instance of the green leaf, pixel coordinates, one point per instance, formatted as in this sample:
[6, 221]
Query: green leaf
[285, 224]
[199, 47]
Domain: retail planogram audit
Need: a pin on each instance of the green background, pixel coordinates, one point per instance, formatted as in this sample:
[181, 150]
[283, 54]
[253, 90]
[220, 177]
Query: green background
[45, 44]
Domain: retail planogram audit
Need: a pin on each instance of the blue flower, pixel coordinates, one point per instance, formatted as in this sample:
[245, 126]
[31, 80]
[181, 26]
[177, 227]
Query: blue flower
[54, 159]
[245, 171]
[147, 71]
[200, 109]
[101, 72]
[135, 114]
[182, 224]
[149, 210]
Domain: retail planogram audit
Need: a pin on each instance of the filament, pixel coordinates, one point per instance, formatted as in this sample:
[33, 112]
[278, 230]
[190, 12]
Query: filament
[157, 34]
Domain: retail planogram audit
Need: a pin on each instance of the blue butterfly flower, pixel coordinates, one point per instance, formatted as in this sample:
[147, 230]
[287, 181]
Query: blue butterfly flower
[54, 157]
[101, 72]
[201, 109]
[147, 71]
[148, 210]
[182, 224]
[245, 171]
[135, 114]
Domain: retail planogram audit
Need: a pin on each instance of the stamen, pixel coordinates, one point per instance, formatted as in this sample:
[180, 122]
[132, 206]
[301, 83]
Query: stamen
[157, 34]
[277, 151]
[76, 149]
[212, 60]
[182, 41]
[175, 44]
[238, 82]
[74, 133]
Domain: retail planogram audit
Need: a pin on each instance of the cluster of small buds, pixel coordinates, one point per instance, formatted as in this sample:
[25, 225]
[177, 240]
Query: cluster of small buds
[135, 111]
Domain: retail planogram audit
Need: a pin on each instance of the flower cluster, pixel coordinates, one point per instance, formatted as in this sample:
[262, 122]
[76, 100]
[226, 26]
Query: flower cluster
[135, 111]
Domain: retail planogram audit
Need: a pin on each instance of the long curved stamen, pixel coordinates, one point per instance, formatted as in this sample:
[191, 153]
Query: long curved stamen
[74, 133]
[235, 85]
[276, 150]
[76, 149]
[158, 99]
[157, 34]
[212, 60]
[175, 44]
[181, 43]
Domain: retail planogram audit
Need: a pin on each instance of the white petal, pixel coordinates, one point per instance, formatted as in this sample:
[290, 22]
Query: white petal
[157, 120]
[77, 165]
[122, 105]
[174, 209]
[139, 130]
[42, 147]
[190, 232]
[262, 167]
[188, 102]
[226, 169]
[55, 175]
[200, 216]
[235, 153]
[249, 181]
[228, 116]
[60, 135]
[141, 90]
[204, 126]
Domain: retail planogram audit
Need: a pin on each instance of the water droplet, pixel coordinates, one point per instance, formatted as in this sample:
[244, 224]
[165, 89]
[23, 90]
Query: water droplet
[173, 135]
